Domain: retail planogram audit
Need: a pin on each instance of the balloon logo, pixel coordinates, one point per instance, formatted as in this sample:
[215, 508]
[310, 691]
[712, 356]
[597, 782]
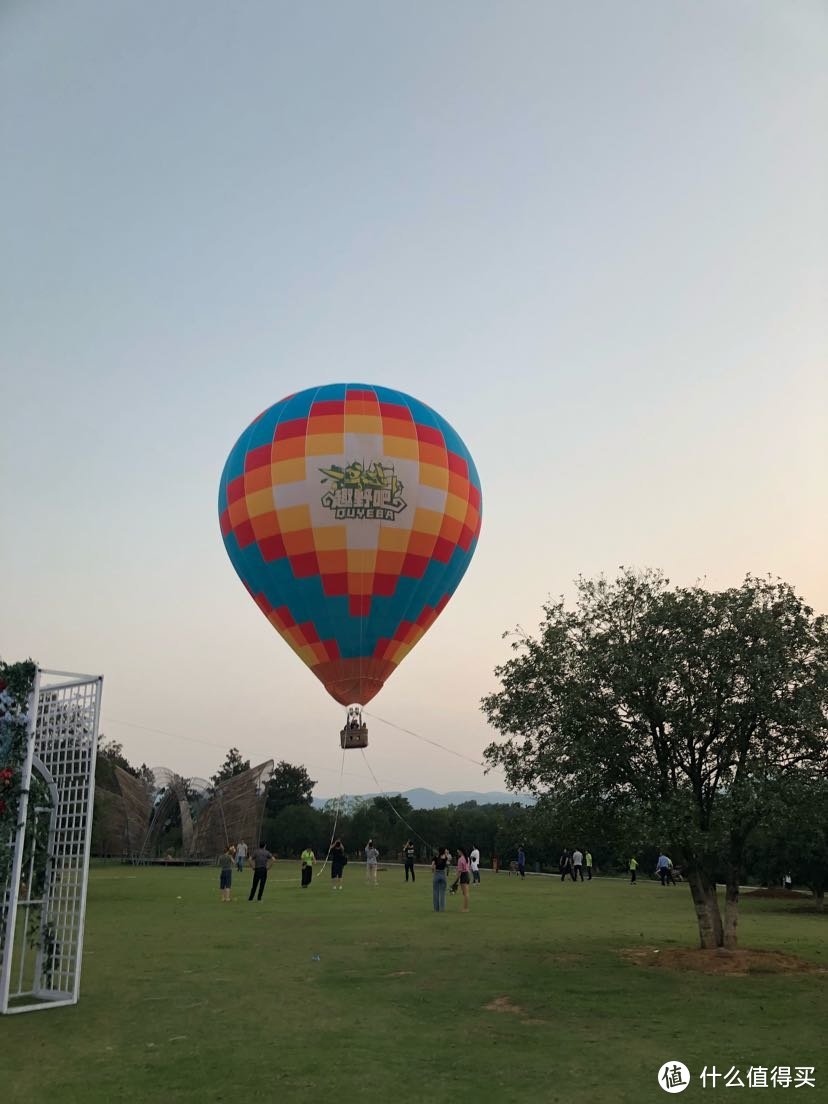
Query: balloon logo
[350, 513]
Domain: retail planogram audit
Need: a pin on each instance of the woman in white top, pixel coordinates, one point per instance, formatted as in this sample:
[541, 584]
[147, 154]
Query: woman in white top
[371, 859]
[474, 860]
[241, 856]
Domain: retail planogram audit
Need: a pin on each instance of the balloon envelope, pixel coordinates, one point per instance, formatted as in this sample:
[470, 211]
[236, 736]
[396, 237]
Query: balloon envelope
[350, 512]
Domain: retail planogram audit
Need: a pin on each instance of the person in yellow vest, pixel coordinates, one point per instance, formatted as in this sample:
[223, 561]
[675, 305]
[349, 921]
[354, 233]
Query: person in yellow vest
[633, 868]
[588, 865]
[308, 859]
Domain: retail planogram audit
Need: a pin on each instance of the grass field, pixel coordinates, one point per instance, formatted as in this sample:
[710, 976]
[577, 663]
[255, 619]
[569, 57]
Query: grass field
[188, 999]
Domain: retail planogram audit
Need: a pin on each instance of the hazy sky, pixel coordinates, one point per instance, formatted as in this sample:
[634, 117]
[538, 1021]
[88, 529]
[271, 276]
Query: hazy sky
[593, 236]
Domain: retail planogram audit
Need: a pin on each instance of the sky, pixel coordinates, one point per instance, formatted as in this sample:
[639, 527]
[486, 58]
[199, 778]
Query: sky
[594, 237]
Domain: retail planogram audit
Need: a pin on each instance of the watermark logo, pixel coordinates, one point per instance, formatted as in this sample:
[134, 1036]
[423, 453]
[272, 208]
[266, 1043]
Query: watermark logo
[674, 1077]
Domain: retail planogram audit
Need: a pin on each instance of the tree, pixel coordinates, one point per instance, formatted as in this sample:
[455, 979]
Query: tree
[288, 785]
[295, 828]
[111, 755]
[793, 836]
[676, 711]
[233, 764]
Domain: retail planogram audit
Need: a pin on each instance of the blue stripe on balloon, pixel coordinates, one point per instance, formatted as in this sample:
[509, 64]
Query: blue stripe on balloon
[355, 636]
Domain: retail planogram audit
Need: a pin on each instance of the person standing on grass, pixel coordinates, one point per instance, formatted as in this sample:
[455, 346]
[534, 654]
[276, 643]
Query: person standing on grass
[474, 862]
[464, 876]
[577, 865]
[371, 861]
[260, 860]
[225, 872]
[308, 859]
[564, 864]
[633, 868]
[241, 856]
[439, 866]
[588, 865]
[409, 854]
[664, 869]
[521, 861]
[338, 861]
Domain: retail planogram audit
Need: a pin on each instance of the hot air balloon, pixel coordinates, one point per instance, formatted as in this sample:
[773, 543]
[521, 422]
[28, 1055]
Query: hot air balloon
[351, 513]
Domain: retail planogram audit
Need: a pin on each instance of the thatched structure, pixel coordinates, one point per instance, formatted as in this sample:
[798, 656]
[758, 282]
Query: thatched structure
[110, 826]
[137, 806]
[171, 791]
[234, 812]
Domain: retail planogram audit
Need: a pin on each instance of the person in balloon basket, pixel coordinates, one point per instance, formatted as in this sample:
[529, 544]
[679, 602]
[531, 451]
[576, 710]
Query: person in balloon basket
[409, 854]
[371, 862]
[439, 868]
[226, 872]
[307, 859]
[260, 860]
[338, 861]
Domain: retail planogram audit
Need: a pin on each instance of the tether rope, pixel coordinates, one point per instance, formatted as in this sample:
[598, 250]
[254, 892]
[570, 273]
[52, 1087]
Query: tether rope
[339, 801]
[431, 848]
[425, 739]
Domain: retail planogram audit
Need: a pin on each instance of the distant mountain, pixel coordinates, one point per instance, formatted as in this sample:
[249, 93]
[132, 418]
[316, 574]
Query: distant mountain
[428, 799]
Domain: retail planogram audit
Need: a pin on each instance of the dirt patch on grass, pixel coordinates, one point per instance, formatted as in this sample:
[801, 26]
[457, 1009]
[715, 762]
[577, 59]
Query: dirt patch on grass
[505, 1004]
[776, 893]
[740, 963]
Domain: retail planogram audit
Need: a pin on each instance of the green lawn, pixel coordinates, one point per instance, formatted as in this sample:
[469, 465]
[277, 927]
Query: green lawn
[188, 999]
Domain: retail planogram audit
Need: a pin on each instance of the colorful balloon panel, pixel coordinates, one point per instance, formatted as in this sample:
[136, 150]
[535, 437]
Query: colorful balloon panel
[351, 513]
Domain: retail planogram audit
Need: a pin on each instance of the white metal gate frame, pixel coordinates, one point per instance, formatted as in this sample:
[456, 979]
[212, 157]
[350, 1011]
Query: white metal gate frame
[62, 743]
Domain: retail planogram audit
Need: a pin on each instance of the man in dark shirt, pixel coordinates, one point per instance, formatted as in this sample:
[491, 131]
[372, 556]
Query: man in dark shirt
[409, 854]
[261, 859]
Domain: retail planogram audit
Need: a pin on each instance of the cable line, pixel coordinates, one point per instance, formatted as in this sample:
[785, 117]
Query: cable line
[430, 847]
[426, 740]
[336, 816]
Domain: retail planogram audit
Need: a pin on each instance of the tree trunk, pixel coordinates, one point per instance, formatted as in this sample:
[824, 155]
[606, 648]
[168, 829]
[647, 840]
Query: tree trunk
[706, 903]
[730, 939]
[819, 895]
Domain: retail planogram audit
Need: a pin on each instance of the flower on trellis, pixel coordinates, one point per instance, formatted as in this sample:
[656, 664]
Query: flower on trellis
[16, 684]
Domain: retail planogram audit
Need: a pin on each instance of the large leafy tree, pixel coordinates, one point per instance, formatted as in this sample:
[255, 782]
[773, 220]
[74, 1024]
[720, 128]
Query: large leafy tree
[288, 785]
[376, 820]
[676, 711]
[793, 836]
[295, 828]
[233, 764]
